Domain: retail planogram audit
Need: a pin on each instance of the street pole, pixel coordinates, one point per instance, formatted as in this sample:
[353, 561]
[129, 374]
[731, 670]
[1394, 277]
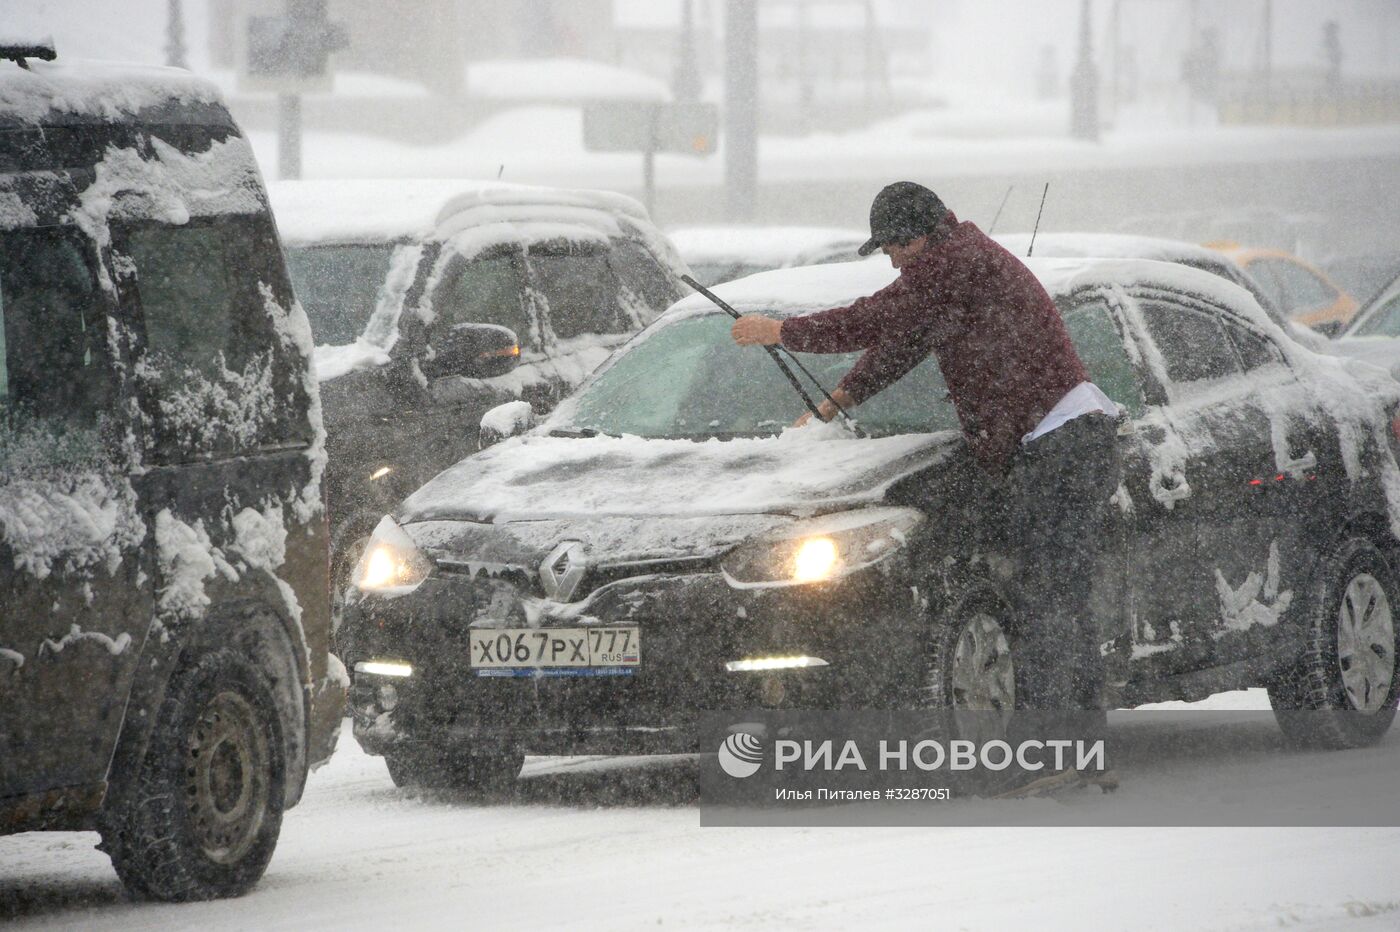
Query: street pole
[741, 108]
[1084, 84]
[175, 35]
[289, 135]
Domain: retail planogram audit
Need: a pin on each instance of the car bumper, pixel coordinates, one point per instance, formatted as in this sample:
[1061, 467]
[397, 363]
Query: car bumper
[864, 626]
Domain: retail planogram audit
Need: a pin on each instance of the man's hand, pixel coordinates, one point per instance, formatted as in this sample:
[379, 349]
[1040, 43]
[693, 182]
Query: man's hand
[826, 409]
[754, 330]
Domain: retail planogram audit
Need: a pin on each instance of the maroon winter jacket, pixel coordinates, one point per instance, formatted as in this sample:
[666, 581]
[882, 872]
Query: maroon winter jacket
[999, 340]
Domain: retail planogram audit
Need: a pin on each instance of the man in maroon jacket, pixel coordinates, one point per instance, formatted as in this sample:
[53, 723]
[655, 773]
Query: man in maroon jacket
[1032, 418]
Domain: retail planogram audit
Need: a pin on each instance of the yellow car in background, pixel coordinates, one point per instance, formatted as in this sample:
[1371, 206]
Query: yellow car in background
[1301, 291]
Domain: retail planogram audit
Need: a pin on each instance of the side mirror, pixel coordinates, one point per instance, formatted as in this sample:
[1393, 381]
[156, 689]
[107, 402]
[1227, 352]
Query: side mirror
[507, 420]
[476, 351]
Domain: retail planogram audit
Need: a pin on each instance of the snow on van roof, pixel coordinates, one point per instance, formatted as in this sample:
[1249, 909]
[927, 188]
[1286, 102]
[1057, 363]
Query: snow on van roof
[108, 90]
[354, 210]
[807, 289]
[759, 245]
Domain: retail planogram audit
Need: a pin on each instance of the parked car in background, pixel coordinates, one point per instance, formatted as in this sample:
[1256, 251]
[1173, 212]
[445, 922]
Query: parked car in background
[723, 253]
[165, 676]
[662, 544]
[1374, 333]
[1300, 290]
[1123, 246]
[1363, 275]
[424, 295]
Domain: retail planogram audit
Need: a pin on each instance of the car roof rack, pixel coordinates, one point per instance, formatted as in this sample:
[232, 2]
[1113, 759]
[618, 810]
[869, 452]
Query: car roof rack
[19, 51]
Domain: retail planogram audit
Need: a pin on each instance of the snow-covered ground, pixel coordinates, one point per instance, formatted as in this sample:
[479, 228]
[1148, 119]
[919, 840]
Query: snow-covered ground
[616, 843]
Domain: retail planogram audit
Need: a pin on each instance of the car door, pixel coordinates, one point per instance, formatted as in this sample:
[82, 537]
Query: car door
[75, 586]
[1209, 454]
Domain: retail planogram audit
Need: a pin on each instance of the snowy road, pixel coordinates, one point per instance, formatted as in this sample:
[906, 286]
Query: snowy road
[612, 844]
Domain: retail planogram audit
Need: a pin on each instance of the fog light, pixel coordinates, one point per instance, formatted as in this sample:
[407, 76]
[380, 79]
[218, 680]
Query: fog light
[384, 668]
[752, 664]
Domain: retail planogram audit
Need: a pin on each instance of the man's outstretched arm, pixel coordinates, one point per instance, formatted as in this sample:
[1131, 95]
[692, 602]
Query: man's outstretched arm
[861, 325]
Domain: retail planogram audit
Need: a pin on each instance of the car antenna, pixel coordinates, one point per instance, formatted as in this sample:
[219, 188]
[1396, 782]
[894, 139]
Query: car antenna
[773, 354]
[500, 171]
[1007, 197]
[1030, 249]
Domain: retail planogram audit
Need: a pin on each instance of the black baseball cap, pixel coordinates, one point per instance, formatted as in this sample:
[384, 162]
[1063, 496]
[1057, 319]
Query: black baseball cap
[902, 211]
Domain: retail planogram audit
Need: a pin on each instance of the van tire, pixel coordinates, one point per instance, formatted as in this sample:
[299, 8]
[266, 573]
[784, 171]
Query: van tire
[206, 807]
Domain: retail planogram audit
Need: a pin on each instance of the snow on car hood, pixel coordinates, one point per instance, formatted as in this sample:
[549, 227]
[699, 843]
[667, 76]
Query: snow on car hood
[804, 471]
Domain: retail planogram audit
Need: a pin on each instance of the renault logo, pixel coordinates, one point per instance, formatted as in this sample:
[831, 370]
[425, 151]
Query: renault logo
[563, 570]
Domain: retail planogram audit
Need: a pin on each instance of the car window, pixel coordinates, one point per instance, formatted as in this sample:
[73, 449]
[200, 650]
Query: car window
[188, 279]
[1192, 344]
[486, 291]
[53, 360]
[638, 271]
[223, 376]
[1382, 322]
[581, 293]
[1100, 347]
[1298, 289]
[339, 287]
[1255, 351]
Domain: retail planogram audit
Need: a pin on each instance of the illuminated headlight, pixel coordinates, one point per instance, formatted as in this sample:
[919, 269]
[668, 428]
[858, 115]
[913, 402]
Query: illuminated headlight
[820, 549]
[392, 563]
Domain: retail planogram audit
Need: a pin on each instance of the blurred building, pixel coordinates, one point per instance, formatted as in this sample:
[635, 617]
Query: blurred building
[430, 41]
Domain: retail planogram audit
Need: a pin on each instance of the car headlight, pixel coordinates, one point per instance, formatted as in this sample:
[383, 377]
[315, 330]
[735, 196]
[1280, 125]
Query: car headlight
[392, 564]
[819, 549]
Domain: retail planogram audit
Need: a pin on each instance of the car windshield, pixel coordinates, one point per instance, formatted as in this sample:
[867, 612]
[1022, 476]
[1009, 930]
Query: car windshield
[338, 286]
[689, 379]
[1383, 322]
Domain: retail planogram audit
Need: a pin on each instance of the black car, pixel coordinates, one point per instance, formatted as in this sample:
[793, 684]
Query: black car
[660, 545]
[424, 294]
[165, 676]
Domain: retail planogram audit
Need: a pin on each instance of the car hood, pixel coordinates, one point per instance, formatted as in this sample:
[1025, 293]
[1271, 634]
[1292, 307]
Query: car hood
[633, 499]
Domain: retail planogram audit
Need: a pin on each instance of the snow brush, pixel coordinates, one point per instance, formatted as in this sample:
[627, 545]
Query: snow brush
[778, 361]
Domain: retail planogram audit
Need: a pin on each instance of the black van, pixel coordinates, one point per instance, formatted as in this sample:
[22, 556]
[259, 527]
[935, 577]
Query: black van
[164, 616]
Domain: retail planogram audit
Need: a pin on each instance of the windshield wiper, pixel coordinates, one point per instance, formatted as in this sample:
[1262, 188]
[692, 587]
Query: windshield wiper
[778, 361]
[577, 433]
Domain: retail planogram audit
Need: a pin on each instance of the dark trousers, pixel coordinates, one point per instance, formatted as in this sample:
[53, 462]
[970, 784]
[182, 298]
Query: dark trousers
[1060, 485]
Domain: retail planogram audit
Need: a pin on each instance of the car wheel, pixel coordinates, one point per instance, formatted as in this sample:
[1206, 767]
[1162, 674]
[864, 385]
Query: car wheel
[1341, 692]
[971, 672]
[206, 807]
[482, 772]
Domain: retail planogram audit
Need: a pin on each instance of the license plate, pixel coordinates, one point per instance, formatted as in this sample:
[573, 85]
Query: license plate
[556, 651]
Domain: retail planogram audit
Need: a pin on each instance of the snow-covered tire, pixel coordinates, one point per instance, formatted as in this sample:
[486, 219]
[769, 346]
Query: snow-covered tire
[971, 662]
[1341, 691]
[206, 807]
[481, 772]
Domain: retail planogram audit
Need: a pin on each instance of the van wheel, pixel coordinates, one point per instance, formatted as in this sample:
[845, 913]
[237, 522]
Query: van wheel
[483, 772]
[1341, 692]
[206, 809]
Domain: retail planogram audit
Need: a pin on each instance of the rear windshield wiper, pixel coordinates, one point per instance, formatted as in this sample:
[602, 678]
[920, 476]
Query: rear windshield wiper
[778, 361]
[576, 433]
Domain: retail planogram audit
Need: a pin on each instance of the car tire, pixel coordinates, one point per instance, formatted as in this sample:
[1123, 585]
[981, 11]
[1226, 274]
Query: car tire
[483, 772]
[206, 805]
[1341, 691]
